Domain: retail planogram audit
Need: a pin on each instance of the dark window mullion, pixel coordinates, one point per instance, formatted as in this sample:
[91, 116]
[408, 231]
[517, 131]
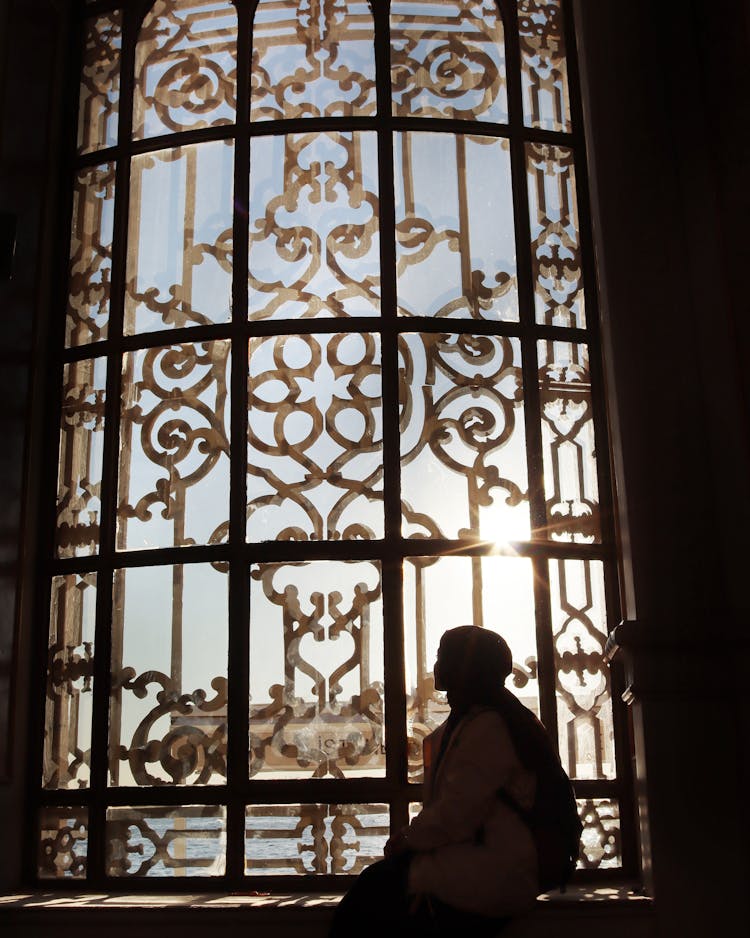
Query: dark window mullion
[532, 408]
[392, 585]
[239, 585]
[524, 272]
[105, 587]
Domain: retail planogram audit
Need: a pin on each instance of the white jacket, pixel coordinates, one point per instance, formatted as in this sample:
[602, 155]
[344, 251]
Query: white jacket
[473, 851]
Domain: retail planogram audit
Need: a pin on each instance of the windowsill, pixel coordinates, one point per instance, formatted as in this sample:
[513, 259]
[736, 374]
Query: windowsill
[617, 910]
[47, 900]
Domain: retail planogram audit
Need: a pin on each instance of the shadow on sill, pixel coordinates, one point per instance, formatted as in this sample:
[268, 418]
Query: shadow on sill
[619, 910]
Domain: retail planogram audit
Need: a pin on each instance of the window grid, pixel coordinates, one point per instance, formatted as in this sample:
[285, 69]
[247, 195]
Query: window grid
[238, 793]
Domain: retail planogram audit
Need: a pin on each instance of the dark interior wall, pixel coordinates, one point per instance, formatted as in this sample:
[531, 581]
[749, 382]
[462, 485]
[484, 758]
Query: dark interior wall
[666, 91]
[32, 48]
[667, 110]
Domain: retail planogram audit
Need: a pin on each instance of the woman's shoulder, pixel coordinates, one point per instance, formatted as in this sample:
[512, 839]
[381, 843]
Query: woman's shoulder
[485, 719]
[486, 730]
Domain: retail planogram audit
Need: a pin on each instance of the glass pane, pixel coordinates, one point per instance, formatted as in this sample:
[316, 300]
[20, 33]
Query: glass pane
[544, 72]
[601, 848]
[584, 700]
[442, 593]
[70, 680]
[315, 461]
[174, 446]
[555, 244]
[167, 722]
[455, 242]
[184, 841]
[314, 244]
[79, 474]
[314, 58]
[301, 839]
[316, 670]
[185, 67]
[463, 453]
[90, 255]
[98, 102]
[448, 60]
[568, 445]
[63, 843]
[179, 270]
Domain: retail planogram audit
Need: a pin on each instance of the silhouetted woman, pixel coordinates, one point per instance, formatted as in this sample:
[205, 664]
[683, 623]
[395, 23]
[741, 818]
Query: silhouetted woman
[467, 862]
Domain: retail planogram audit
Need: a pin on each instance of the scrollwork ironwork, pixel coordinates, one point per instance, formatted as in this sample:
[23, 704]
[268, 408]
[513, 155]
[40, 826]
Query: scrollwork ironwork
[333, 726]
[150, 841]
[462, 431]
[544, 73]
[315, 462]
[314, 226]
[188, 751]
[186, 67]
[80, 470]
[63, 843]
[174, 444]
[90, 255]
[569, 450]
[586, 733]
[162, 730]
[179, 268]
[448, 60]
[555, 244]
[314, 838]
[70, 671]
[455, 245]
[315, 438]
[601, 846]
[99, 97]
[312, 58]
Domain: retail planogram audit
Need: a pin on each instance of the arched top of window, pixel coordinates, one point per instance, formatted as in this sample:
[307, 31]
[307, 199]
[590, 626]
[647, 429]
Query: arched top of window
[312, 58]
[448, 60]
[185, 67]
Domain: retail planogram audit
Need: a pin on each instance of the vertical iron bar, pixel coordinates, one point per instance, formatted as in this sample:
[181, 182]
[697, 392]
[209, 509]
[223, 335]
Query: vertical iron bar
[107, 549]
[532, 407]
[392, 574]
[239, 585]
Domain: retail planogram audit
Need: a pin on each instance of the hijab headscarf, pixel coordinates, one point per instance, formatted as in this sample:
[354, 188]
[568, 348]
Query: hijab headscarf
[473, 665]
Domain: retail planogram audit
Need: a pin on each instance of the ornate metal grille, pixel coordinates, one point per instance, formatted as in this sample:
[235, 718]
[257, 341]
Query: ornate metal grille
[330, 385]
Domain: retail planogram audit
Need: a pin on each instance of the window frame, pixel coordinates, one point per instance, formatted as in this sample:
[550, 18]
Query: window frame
[393, 789]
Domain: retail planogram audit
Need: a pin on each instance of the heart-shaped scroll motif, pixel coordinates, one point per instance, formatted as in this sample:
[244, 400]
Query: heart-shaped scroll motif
[328, 656]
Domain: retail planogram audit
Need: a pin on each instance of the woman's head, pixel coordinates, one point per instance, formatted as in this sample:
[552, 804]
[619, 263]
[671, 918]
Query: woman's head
[472, 665]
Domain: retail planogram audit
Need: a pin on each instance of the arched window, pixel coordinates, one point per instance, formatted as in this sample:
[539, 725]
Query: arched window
[330, 385]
